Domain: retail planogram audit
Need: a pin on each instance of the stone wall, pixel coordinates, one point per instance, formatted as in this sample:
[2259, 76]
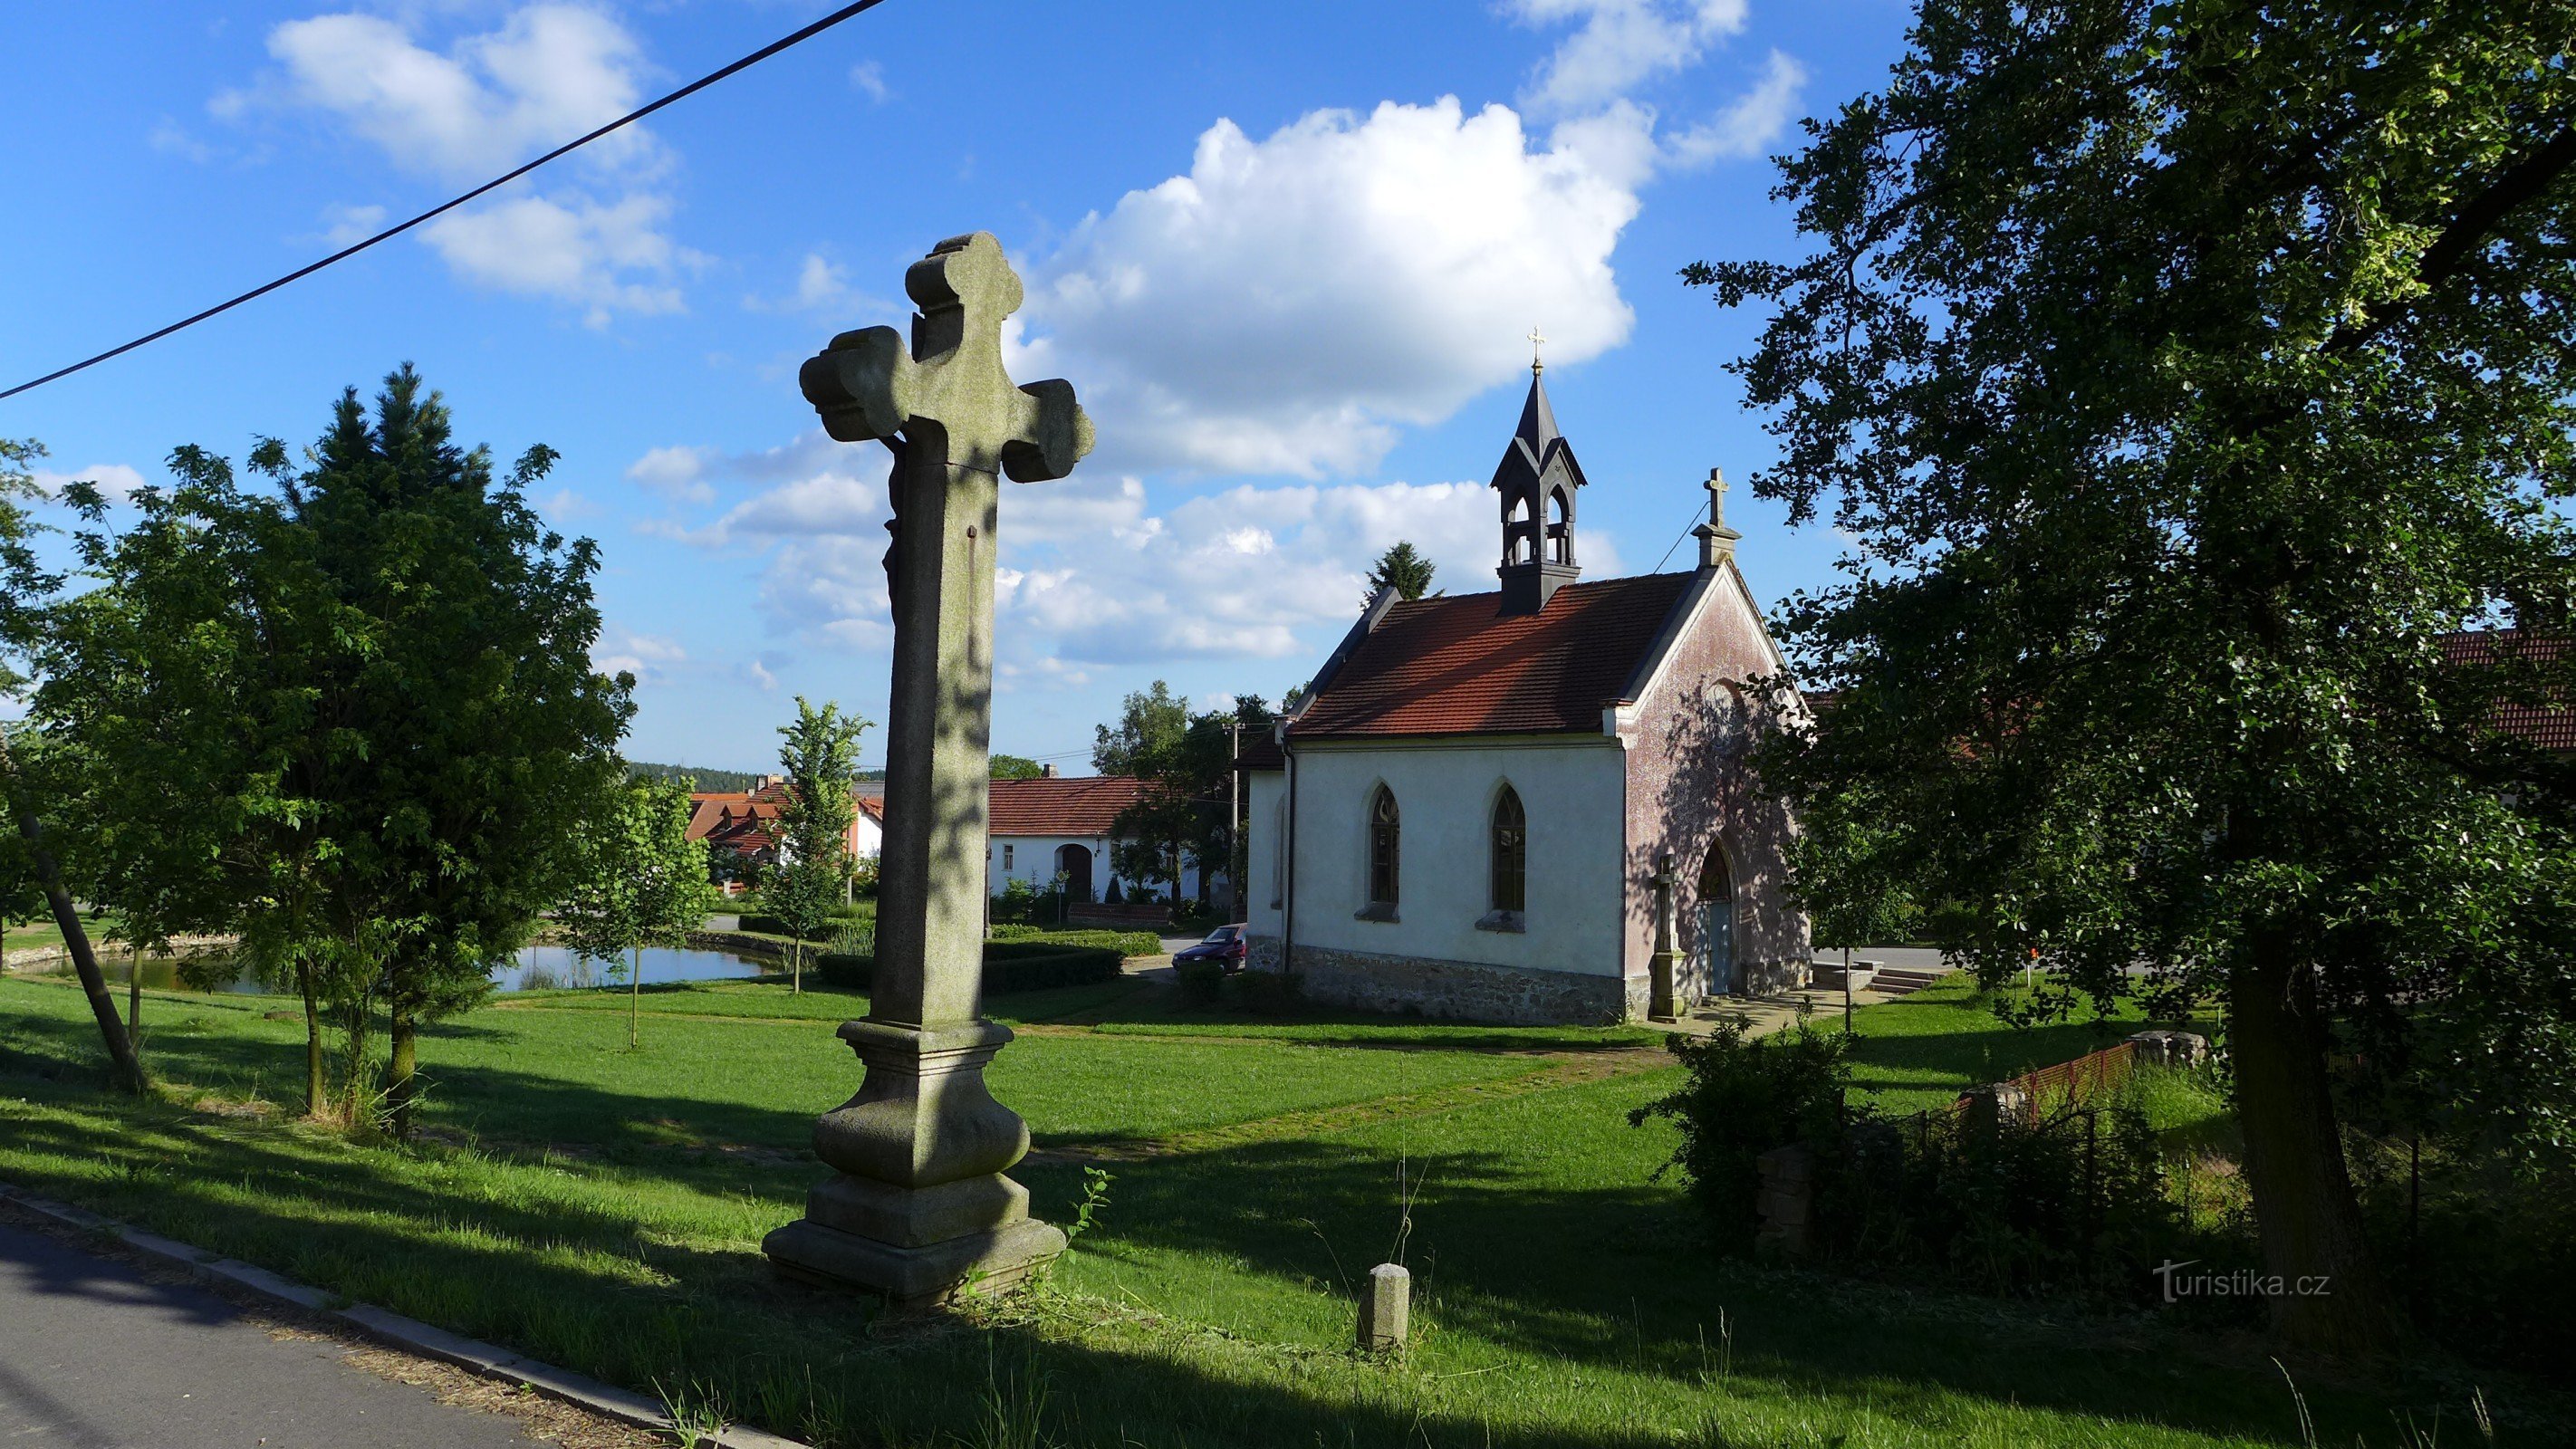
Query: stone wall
[1458, 990]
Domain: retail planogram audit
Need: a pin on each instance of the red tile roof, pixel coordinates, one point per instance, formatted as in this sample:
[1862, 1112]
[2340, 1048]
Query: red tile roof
[2551, 727]
[1444, 666]
[1059, 806]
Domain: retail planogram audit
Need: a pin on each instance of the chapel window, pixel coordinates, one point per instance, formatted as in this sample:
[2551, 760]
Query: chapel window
[1510, 852]
[1384, 826]
[1006, 857]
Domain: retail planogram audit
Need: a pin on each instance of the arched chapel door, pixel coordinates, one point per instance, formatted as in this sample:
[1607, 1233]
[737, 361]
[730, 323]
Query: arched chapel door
[1074, 863]
[1714, 954]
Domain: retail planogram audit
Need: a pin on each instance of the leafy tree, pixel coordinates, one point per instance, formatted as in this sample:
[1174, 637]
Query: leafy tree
[485, 732]
[1016, 767]
[802, 892]
[820, 757]
[1147, 735]
[2182, 374]
[637, 880]
[31, 877]
[1401, 566]
[195, 696]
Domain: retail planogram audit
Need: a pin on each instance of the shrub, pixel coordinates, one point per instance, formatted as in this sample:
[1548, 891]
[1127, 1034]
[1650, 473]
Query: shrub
[1744, 1096]
[1202, 982]
[1271, 993]
[1125, 943]
[1008, 966]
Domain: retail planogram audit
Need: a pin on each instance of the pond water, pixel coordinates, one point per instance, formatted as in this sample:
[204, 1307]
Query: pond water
[536, 968]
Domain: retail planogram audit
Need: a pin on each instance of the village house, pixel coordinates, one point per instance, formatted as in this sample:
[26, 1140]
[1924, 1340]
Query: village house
[1483, 803]
[741, 827]
[1054, 827]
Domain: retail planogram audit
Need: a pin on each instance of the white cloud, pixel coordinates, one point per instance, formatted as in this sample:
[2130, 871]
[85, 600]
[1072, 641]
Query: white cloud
[650, 658]
[116, 482]
[1752, 123]
[605, 257]
[678, 472]
[349, 225]
[1620, 43]
[823, 287]
[547, 74]
[1093, 573]
[1291, 302]
[868, 79]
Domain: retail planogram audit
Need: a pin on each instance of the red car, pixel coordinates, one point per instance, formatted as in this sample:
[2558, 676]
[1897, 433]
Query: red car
[1224, 945]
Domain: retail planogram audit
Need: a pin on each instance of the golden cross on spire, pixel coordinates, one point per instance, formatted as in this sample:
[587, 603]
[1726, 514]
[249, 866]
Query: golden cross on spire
[1535, 340]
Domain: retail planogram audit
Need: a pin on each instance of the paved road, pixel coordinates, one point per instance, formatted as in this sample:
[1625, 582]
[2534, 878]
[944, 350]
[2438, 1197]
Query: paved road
[95, 1355]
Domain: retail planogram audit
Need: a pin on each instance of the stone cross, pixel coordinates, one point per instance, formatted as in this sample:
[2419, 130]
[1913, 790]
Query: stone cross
[1664, 967]
[920, 1205]
[1716, 540]
[1536, 342]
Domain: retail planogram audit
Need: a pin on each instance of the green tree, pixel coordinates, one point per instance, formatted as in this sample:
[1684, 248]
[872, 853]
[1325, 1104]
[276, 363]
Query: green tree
[1147, 743]
[802, 892]
[195, 696]
[1402, 567]
[31, 876]
[2181, 375]
[819, 754]
[1016, 767]
[485, 732]
[637, 880]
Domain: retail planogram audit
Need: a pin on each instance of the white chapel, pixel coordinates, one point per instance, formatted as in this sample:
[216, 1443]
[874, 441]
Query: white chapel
[1483, 803]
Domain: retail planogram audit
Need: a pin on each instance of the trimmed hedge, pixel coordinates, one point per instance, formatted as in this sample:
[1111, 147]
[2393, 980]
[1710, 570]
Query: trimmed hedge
[1008, 966]
[768, 925]
[1125, 943]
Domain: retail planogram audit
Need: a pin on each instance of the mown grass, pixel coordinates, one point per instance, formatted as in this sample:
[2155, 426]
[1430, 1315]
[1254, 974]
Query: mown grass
[1921, 1050]
[606, 1216]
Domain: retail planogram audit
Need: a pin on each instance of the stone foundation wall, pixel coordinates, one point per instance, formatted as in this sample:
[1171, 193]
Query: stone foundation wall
[1457, 990]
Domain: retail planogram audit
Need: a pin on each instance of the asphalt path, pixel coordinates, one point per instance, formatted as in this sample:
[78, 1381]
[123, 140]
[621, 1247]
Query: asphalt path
[97, 1354]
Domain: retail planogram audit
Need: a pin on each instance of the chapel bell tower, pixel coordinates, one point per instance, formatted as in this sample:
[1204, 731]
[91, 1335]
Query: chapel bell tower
[1538, 480]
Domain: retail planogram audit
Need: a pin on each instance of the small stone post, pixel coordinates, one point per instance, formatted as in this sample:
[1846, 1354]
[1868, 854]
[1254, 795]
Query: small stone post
[1664, 968]
[1386, 1308]
[919, 1205]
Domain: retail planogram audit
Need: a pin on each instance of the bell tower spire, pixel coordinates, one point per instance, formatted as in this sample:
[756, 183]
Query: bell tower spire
[1537, 480]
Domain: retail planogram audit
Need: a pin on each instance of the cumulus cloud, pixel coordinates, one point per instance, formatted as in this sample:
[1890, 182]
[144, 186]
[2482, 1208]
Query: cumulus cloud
[650, 658]
[547, 74]
[1620, 43]
[1095, 570]
[677, 472]
[606, 257]
[1748, 127]
[1291, 302]
[116, 482]
[823, 287]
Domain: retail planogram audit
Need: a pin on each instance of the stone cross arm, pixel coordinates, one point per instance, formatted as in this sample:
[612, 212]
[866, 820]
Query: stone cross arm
[949, 393]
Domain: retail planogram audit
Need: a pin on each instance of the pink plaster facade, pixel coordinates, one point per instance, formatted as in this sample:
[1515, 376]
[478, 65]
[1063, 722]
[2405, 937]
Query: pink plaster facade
[1690, 789]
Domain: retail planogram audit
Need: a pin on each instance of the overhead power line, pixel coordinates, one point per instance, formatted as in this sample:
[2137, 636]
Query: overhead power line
[566, 149]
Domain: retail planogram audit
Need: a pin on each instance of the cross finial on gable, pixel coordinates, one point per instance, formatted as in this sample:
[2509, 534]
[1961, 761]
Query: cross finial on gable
[1536, 342]
[1716, 540]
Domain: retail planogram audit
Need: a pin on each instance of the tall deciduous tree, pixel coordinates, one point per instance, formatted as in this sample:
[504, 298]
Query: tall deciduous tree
[637, 880]
[2182, 375]
[31, 875]
[819, 754]
[200, 690]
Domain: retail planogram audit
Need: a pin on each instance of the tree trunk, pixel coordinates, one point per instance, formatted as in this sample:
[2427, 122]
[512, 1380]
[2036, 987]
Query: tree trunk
[353, 1076]
[2330, 1298]
[796, 967]
[400, 1082]
[134, 997]
[316, 1091]
[120, 1044]
[634, 995]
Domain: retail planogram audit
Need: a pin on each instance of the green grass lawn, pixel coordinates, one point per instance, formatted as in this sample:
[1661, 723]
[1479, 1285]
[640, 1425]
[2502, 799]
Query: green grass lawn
[602, 1209]
[1919, 1051]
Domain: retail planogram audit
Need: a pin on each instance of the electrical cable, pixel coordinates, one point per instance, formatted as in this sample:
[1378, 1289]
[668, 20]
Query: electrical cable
[692, 88]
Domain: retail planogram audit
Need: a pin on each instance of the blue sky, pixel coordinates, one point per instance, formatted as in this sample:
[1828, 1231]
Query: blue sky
[1287, 255]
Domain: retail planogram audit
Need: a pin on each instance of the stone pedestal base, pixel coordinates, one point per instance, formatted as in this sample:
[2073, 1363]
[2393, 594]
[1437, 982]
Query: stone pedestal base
[984, 1262]
[1664, 1003]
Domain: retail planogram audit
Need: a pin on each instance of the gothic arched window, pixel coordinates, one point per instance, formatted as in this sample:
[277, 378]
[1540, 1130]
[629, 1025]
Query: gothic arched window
[1510, 851]
[1383, 829]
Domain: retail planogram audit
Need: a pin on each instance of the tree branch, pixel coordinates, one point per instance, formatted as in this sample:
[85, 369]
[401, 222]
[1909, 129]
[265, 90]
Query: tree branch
[2520, 182]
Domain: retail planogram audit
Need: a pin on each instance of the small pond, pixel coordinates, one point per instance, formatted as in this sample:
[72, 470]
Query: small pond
[536, 968]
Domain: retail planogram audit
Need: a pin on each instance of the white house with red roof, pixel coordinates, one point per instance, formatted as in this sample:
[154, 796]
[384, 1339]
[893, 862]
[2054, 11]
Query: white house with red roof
[1481, 802]
[1055, 826]
[745, 824]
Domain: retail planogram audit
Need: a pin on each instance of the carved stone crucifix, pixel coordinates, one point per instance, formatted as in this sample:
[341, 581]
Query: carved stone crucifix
[920, 1204]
